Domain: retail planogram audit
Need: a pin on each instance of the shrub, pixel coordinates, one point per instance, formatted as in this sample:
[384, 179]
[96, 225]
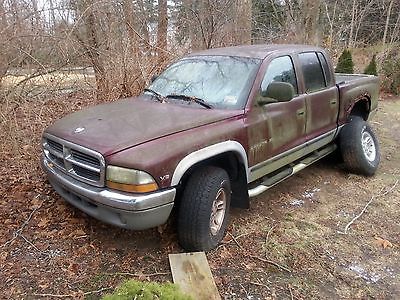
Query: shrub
[391, 72]
[133, 289]
[371, 69]
[345, 63]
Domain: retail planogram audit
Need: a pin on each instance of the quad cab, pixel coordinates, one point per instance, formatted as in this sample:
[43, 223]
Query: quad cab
[216, 128]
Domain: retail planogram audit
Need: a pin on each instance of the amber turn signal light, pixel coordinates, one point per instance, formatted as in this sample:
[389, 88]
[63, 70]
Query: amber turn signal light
[132, 188]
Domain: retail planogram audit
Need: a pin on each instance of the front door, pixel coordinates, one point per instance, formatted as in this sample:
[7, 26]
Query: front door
[276, 127]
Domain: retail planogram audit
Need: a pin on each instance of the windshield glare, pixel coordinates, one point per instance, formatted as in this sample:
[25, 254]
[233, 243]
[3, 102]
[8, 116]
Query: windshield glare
[222, 81]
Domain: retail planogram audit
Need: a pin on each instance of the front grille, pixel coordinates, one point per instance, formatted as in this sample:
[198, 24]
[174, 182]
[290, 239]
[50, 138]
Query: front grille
[77, 161]
[57, 160]
[84, 158]
[55, 146]
[92, 175]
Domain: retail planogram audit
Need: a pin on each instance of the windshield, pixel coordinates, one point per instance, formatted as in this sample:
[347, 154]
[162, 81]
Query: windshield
[221, 81]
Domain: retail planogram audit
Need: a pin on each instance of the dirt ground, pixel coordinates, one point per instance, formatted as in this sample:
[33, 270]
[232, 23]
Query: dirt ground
[288, 245]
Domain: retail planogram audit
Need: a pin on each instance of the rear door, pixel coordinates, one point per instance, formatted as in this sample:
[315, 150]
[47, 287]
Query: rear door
[322, 100]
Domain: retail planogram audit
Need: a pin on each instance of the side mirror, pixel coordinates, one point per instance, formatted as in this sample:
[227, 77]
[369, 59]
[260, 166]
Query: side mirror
[277, 92]
[153, 78]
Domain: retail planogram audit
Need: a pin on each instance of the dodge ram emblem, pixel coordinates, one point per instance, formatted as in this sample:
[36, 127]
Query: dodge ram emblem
[79, 129]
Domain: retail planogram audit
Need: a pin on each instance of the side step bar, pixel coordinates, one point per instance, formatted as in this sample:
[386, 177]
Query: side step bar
[269, 181]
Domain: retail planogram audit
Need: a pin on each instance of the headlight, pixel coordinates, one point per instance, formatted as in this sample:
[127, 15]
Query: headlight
[129, 180]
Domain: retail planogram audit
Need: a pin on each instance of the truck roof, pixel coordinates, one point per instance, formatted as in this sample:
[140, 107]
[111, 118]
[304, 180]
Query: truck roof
[255, 51]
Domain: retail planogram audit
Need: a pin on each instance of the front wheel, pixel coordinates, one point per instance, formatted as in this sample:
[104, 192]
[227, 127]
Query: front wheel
[359, 147]
[204, 209]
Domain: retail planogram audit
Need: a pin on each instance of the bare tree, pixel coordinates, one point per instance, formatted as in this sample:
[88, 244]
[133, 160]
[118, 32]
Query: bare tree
[389, 11]
[395, 34]
[311, 10]
[88, 38]
[331, 18]
[127, 41]
[143, 24]
[4, 41]
[162, 29]
[243, 12]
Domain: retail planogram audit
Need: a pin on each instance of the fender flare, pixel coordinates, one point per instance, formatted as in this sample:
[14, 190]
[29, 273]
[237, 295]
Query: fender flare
[363, 98]
[208, 152]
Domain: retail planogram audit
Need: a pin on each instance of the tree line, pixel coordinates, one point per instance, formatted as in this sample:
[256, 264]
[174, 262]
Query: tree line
[127, 41]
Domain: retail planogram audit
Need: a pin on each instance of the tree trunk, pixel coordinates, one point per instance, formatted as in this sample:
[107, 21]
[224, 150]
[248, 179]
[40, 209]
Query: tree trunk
[395, 30]
[389, 11]
[353, 15]
[331, 20]
[311, 19]
[291, 23]
[243, 24]
[134, 78]
[4, 59]
[194, 22]
[91, 45]
[94, 54]
[144, 24]
[162, 30]
[52, 17]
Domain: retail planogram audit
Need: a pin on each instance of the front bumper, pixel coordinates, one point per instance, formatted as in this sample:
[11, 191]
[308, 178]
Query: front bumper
[126, 210]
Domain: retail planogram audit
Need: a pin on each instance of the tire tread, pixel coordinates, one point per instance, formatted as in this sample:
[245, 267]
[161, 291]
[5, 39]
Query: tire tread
[351, 149]
[194, 208]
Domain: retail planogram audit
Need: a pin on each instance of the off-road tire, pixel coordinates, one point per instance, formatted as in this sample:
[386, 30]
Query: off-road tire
[195, 211]
[351, 146]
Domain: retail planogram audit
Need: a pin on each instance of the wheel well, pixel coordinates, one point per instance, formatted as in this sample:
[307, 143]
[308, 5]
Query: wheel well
[236, 172]
[361, 108]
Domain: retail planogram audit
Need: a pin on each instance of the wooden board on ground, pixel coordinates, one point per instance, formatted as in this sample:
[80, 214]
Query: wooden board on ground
[193, 275]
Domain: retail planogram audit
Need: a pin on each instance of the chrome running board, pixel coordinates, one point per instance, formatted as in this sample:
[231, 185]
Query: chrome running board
[270, 180]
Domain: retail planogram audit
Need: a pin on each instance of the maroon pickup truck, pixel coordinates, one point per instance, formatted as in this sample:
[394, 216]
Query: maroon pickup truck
[216, 128]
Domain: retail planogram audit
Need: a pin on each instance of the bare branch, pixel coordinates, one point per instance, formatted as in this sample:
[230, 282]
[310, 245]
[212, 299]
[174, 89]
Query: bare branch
[271, 263]
[380, 194]
[18, 232]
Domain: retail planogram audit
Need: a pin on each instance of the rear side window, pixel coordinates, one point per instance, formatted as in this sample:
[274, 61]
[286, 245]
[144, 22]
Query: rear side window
[325, 67]
[280, 69]
[312, 72]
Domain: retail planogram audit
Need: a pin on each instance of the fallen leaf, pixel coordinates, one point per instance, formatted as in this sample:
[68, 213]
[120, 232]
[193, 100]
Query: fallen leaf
[42, 223]
[73, 268]
[43, 286]
[36, 203]
[383, 243]
[77, 232]
[3, 256]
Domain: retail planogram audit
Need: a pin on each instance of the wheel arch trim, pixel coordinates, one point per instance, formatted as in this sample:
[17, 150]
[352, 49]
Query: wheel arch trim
[206, 153]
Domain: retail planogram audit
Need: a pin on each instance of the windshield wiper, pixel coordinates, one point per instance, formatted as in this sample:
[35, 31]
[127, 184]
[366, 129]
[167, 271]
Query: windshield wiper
[190, 99]
[158, 96]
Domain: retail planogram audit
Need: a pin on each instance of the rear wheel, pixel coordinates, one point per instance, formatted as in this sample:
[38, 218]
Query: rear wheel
[359, 147]
[204, 209]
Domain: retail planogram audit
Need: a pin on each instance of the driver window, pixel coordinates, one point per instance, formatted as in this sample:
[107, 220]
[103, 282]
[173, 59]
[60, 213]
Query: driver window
[280, 69]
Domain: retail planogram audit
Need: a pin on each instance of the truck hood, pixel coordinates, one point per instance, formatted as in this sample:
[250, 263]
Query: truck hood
[112, 127]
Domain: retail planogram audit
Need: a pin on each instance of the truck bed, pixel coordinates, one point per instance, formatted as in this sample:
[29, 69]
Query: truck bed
[341, 78]
[353, 87]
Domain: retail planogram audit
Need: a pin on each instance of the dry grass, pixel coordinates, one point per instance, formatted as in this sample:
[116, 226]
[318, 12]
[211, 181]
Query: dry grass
[296, 224]
[59, 79]
[27, 85]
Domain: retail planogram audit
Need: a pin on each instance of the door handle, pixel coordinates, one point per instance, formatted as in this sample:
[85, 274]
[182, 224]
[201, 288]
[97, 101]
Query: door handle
[334, 101]
[300, 112]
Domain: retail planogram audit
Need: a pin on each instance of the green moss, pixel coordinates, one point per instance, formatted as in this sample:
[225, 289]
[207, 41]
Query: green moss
[371, 69]
[345, 63]
[133, 289]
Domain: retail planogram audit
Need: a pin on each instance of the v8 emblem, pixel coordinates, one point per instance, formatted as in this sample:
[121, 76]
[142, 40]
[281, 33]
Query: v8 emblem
[165, 177]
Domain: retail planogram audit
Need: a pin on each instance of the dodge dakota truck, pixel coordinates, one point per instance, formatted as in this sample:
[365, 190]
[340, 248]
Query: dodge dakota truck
[216, 128]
